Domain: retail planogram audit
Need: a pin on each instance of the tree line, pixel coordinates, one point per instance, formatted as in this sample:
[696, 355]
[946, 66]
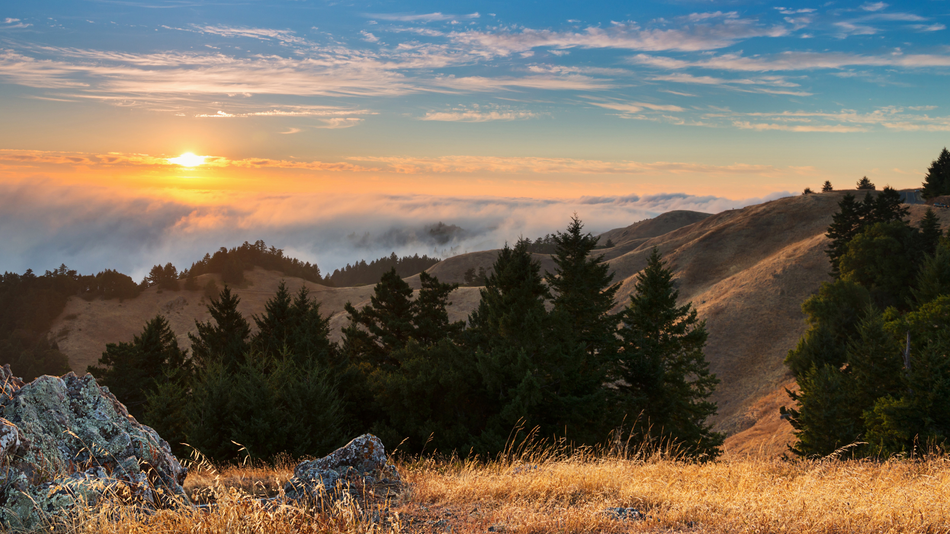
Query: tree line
[541, 351]
[872, 369]
[362, 273]
[29, 304]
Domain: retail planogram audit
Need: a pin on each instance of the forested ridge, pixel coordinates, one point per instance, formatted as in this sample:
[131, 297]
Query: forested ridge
[29, 303]
[873, 369]
[540, 352]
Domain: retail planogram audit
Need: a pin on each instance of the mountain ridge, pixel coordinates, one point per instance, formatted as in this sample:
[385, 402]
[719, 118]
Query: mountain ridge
[746, 272]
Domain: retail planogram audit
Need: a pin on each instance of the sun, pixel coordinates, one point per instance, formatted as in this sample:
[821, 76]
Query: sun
[188, 160]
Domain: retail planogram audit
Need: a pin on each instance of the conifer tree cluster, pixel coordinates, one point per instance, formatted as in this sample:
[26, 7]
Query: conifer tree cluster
[362, 273]
[541, 351]
[29, 304]
[872, 369]
[271, 392]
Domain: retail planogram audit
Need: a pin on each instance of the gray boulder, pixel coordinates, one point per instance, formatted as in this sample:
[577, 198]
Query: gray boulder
[357, 465]
[66, 441]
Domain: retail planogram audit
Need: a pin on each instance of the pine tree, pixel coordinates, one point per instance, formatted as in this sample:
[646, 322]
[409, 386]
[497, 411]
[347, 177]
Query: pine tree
[277, 324]
[833, 315]
[509, 333]
[875, 362]
[884, 258]
[930, 232]
[429, 312]
[887, 207]
[918, 419]
[827, 187]
[846, 224]
[380, 328]
[825, 418]
[133, 370]
[584, 291]
[865, 184]
[663, 378]
[937, 180]
[310, 338]
[226, 340]
[933, 278]
[431, 402]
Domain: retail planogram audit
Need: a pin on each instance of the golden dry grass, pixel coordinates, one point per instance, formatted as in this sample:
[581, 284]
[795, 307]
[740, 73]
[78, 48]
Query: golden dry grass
[551, 493]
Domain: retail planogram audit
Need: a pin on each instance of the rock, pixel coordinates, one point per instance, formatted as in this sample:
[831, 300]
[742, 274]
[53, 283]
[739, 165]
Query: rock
[625, 513]
[66, 441]
[358, 464]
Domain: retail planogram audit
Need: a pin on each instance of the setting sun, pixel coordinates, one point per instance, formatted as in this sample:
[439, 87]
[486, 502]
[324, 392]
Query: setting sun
[188, 160]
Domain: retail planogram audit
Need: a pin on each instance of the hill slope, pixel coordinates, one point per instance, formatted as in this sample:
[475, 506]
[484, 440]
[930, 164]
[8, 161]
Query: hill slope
[746, 271]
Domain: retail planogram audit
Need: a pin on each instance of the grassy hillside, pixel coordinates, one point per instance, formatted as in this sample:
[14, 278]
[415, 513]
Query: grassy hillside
[746, 271]
[549, 493]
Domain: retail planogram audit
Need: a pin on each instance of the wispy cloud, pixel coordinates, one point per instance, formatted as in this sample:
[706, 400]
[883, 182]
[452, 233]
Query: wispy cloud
[845, 121]
[570, 82]
[10, 23]
[635, 110]
[477, 113]
[339, 122]
[875, 6]
[745, 125]
[283, 36]
[535, 165]
[425, 17]
[625, 36]
[767, 85]
[287, 111]
[787, 61]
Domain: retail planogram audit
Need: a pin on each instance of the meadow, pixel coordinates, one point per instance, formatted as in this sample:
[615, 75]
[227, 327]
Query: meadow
[548, 492]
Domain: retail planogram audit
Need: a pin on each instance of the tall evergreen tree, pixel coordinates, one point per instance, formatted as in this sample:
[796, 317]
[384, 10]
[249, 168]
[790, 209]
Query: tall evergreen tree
[846, 224]
[827, 187]
[930, 232]
[933, 278]
[884, 259]
[133, 370]
[227, 339]
[824, 418]
[431, 402]
[276, 326]
[583, 289]
[937, 180]
[887, 207]
[310, 337]
[509, 333]
[663, 378]
[383, 326]
[430, 314]
[833, 315]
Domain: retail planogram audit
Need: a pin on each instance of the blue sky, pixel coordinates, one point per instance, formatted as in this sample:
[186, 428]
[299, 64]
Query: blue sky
[548, 101]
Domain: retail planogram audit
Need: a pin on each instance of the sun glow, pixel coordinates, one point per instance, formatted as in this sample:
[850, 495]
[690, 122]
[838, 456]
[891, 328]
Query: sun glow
[188, 160]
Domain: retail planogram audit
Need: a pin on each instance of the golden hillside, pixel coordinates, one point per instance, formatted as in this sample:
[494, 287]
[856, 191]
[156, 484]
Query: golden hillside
[746, 271]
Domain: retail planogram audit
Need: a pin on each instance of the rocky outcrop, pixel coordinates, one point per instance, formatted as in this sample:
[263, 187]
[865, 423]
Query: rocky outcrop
[66, 441]
[358, 465]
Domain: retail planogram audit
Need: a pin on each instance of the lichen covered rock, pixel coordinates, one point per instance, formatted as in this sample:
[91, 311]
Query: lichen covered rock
[66, 441]
[357, 465]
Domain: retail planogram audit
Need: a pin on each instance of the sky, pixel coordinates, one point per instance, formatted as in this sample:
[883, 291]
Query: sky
[346, 130]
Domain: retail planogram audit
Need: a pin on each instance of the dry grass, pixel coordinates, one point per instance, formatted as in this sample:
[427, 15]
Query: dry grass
[561, 493]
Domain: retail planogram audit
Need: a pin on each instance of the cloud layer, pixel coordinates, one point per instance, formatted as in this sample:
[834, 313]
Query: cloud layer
[43, 225]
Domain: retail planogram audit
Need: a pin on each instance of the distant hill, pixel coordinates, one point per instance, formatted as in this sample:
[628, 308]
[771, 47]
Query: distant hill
[746, 271]
[625, 238]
